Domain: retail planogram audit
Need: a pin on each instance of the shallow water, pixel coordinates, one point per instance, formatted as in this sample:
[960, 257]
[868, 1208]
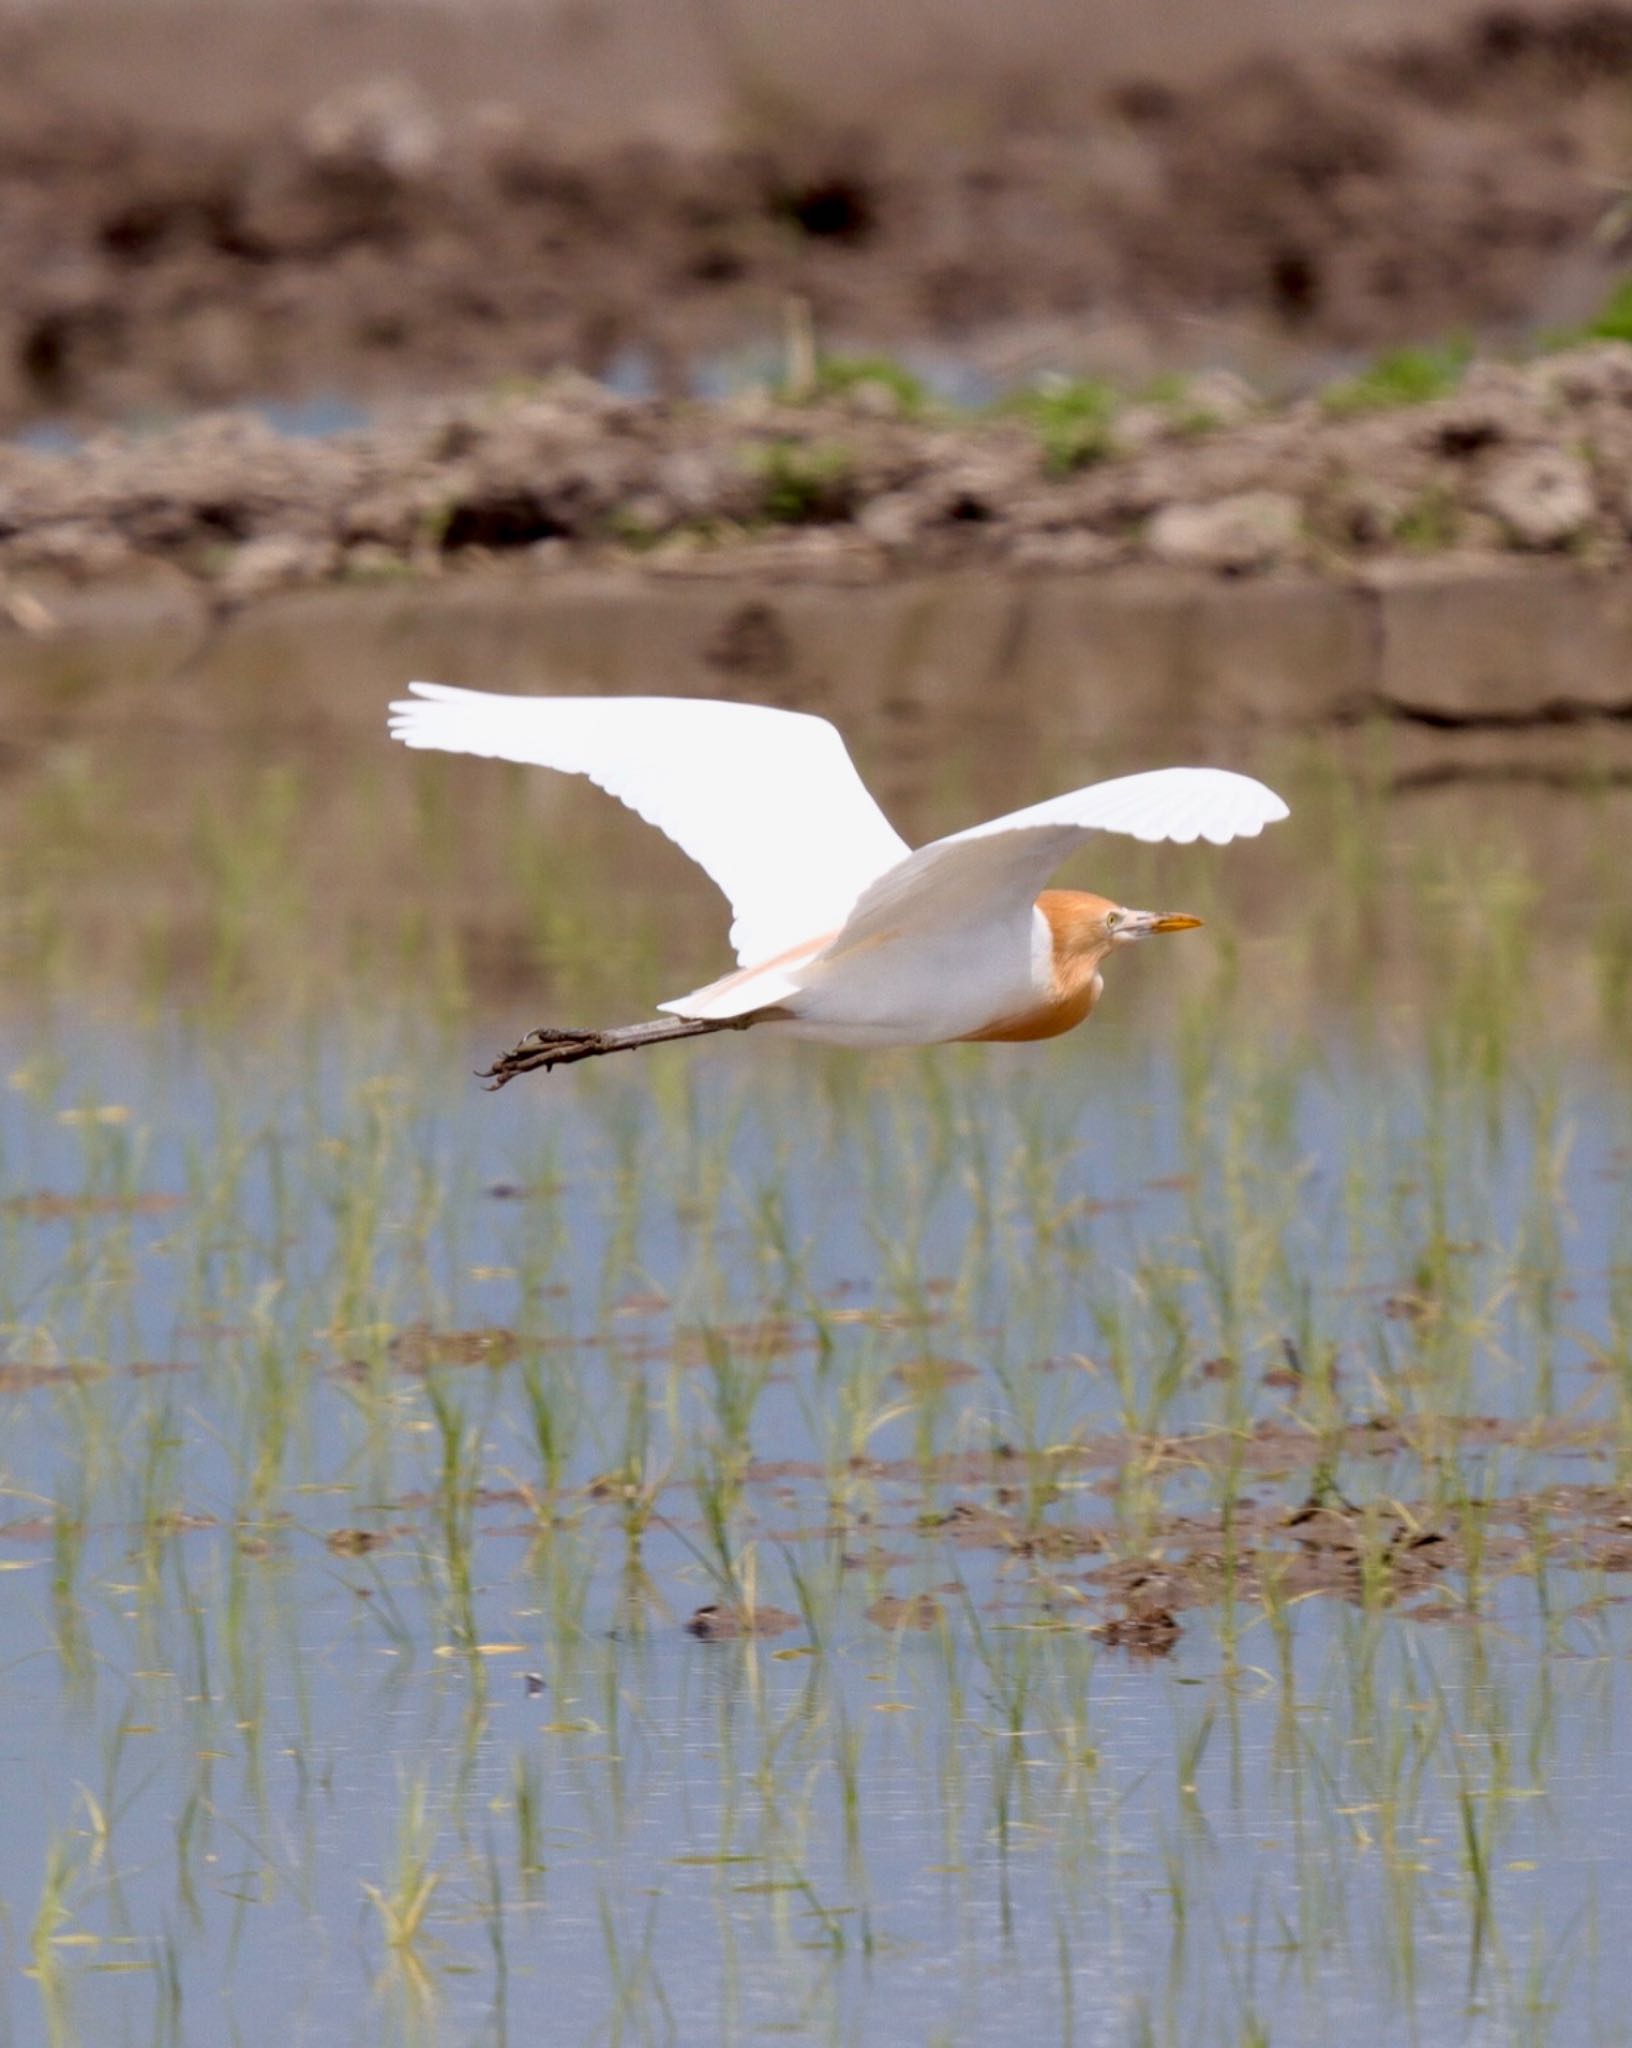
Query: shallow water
[945, 375]
[1286, 1312]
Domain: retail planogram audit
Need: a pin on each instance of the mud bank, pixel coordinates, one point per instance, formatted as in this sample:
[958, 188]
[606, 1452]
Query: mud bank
[390, 237]
[1515, 464]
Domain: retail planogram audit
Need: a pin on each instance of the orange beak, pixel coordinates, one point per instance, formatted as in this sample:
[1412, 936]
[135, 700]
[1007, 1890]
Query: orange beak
[1174, 921]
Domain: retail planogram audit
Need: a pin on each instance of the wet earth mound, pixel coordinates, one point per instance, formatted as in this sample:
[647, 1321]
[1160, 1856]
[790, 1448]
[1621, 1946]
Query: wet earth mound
[379, 242]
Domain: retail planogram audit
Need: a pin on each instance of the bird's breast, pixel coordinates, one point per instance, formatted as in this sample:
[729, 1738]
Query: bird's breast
[1060, 1014]
[1065, 980]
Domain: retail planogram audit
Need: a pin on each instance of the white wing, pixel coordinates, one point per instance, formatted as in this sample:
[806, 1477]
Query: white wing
[767, 802]
[976, 875]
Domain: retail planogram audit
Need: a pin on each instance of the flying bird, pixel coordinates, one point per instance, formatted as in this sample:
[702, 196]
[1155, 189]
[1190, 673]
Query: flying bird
[842, 932]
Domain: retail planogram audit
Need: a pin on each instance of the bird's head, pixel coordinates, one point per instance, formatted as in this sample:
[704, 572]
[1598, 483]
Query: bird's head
[1086, 927]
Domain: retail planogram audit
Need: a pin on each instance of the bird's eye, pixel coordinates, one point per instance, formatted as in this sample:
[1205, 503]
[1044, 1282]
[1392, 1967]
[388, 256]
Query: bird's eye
[1112, 919]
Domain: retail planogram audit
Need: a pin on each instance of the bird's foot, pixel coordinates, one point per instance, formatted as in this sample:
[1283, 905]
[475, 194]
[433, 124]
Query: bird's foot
[548, 1048]
[544, 1048]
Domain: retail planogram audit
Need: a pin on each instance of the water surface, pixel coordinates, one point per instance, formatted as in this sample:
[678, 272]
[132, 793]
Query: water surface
[1231, 1399]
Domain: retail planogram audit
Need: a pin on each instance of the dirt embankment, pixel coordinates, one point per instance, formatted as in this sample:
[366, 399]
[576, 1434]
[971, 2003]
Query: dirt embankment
[381, 241]
[1513, 460]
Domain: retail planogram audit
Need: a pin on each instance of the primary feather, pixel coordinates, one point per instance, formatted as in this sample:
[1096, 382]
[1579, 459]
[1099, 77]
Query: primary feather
[767, 802]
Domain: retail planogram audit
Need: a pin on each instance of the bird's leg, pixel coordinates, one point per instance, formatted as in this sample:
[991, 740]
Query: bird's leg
[547, 1048]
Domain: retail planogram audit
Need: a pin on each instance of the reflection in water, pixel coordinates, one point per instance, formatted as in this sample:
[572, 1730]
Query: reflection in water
[1277, 1328]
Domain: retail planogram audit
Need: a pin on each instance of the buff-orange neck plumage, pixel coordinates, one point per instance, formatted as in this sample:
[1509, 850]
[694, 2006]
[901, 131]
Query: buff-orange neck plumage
[1076, 920]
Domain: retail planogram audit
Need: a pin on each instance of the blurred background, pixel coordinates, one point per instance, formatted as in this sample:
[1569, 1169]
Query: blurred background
[200, 203]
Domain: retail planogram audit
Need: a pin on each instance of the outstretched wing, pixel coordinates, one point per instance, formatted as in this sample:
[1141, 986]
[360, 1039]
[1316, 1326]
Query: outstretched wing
[767, 802]
[977, 875]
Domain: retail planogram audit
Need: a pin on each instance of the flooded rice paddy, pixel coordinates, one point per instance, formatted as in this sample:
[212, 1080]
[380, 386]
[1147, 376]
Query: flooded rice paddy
[1125, 1540]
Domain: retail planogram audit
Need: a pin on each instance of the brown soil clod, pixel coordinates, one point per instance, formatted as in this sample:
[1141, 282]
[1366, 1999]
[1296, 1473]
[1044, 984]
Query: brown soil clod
[717, 1623]
[930, 1376]
[919, 1611]
[1144, 1631]
[417, 1348]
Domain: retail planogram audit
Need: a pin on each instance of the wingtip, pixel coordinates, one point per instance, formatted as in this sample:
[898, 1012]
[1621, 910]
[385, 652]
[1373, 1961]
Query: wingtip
[404, 716]
[1269, 809]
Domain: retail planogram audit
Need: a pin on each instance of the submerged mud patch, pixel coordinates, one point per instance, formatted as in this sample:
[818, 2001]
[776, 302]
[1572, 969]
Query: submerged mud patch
[44, 1206]
[1130, 1569]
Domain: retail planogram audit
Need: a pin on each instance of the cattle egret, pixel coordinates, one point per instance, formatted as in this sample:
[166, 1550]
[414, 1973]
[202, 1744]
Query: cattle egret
[842, 932]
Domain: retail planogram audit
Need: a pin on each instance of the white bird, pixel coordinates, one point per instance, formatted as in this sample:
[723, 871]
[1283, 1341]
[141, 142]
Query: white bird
[842, 932]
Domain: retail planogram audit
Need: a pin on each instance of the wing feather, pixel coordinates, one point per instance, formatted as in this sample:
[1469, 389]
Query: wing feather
[767, 802]
[976, 875]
